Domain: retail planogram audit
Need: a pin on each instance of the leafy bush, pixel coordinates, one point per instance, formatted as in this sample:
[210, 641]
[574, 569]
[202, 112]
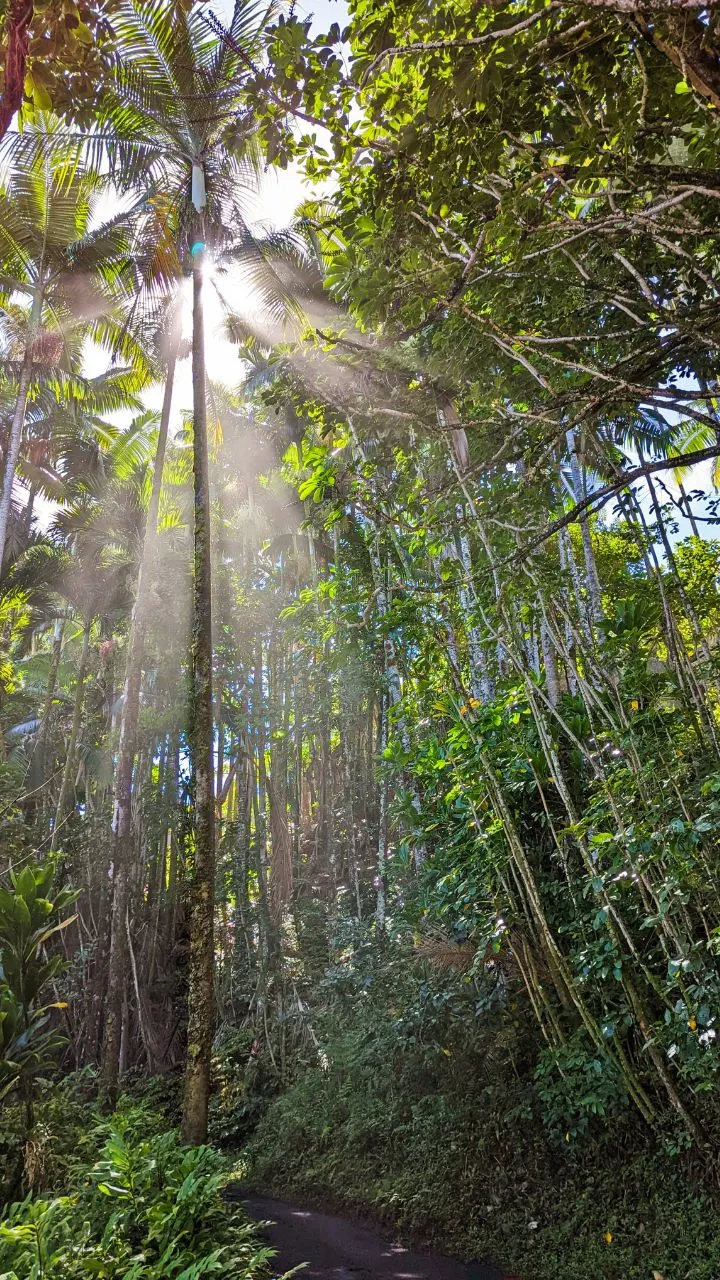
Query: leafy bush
[29, 918]
[575, 1085]
[242, 1088]
[149, 1210]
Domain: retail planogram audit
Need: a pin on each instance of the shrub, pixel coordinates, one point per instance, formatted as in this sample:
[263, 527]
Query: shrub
[149, 1210]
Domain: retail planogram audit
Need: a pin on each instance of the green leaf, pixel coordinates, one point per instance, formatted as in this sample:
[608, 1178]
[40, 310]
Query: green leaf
[25, 885]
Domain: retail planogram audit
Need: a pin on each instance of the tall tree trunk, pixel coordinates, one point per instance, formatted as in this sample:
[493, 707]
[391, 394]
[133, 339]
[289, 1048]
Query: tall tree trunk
[122, 818]
[201, 1012]
[381, 877]
[243, 957]
[591, 574]
[39, 750]
[68, 771]
[29, 512]
[17, 424]
[482, 683]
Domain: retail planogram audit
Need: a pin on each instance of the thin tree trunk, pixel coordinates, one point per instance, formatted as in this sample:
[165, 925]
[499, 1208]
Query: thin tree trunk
[40, 747]
[16, 430]
[29, 512]
[68, 777]
[552, 683]
[685, 500]
[122, 818]
[381, 880]
[201, 1013]
[243, 955]
[591, 573]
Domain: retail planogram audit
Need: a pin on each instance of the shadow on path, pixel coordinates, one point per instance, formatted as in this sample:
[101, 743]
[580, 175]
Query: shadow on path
[336, 1249]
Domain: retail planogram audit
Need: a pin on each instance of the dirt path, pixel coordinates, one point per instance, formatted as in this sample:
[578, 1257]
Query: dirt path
[336, 1249]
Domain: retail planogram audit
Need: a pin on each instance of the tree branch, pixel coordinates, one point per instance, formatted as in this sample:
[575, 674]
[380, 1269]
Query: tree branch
[601, 496]
[211, 21]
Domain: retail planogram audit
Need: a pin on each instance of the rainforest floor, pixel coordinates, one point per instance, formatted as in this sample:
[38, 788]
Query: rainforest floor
[438, 1175]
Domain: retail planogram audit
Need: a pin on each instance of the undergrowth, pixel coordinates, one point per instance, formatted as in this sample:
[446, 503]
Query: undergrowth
[425, 1112]
[453, 1177]
[121, 1199]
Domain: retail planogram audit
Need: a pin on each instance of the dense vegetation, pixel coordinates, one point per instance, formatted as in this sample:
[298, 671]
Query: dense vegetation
[360, 721]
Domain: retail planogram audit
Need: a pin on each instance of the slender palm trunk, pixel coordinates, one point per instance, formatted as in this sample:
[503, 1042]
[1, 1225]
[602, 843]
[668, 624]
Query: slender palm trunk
[29, 512]
[201, 1014]
[16, 430]
[40, 748]
[122, 819]
[63, 804]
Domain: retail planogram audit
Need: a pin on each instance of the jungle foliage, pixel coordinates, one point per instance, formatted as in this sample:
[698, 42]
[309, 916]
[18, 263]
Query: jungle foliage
[366, 706]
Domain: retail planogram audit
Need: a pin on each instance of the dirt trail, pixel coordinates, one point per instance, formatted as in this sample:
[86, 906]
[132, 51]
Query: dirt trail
[336, 1249]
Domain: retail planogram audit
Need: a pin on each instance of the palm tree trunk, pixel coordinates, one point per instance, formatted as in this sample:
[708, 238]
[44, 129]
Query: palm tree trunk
[122, 818]
[201, 1013]
[29, 512]
[13, 449]
[69, 769]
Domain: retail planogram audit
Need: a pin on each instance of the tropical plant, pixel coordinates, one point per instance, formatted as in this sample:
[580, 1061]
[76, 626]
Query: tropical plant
[29, 919]
[174, 117]
[71, 274]
[152, 1209]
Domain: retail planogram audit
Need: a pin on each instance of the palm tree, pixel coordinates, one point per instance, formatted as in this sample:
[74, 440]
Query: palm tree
[71, 275]
[174, 121]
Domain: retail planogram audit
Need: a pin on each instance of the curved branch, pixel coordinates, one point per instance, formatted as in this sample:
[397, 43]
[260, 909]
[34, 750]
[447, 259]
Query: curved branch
[488, 37]
[601, 496]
